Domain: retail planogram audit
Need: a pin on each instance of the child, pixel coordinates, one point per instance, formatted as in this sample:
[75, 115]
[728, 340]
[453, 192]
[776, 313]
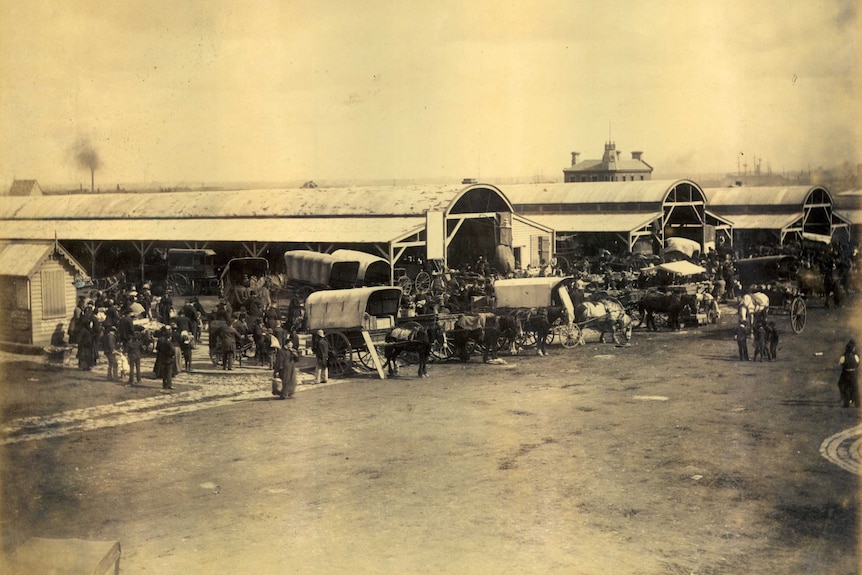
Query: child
[760, 342]
[771, 340]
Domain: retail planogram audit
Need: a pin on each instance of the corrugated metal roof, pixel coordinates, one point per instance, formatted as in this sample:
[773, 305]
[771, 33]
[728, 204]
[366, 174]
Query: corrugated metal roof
[408, 200]
[760, 196]
[852, 216]
[762, 221]
[591, 192]
[24, 258]
[347, 230]
[616, 222]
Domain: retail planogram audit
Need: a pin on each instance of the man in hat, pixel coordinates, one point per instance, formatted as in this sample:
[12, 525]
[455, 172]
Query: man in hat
[110, 347]
[321, 354]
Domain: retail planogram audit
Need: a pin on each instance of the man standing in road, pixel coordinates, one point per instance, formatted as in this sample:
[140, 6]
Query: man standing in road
[285, 370]
[228, 338]
[321, 354]
[134, 348]
[165, 359]
[110, 348]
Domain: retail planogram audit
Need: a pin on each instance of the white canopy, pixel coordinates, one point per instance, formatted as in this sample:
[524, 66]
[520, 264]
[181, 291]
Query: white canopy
[682, 268]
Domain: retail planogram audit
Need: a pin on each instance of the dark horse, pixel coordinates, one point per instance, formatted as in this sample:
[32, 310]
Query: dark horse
[540, 321]
[673, 304]
[482, 329]
[412, 338]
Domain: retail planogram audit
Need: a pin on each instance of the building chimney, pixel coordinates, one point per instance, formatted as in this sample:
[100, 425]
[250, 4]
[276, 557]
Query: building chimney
[637, 156]
[618, 155]
[575, 157]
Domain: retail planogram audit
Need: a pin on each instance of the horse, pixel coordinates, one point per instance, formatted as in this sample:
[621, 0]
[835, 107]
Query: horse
[610, 316]
[538, 323]
[674, 304]
[411, 338]
[482, 329]
[511, 332]
[753, 308]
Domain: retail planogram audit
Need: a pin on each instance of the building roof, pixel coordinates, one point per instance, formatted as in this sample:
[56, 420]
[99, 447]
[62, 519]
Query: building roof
[25, 188]
[763, 221]
[620, 165]
[382, 201]
[22, 259]
[595, 222]
[522, 195]
[310, 229]
[760, 196]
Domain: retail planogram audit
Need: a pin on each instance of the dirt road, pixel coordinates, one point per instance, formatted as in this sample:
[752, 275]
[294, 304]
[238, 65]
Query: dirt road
[666, 457]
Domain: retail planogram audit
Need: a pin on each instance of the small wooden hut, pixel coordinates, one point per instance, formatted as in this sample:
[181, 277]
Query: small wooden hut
[36, 290]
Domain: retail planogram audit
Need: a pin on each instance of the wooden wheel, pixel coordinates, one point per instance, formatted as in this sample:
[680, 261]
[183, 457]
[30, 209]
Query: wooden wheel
[422, 283]
[570, 335]
[442, 349]
[179, 284]
[406, 285]
[340, 354]
[798, 313]
[365, 359]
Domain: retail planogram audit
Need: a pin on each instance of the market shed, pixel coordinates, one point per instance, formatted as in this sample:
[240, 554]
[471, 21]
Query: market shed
[452, 223]
[779, 215]
[636, 216]
[37, 294]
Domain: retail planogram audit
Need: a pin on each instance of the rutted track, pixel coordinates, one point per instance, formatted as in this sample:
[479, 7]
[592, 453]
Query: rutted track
[844, 449]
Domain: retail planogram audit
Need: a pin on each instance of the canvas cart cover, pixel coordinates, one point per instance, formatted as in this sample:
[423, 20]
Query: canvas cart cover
[534, 292]
[346, 308]
[684, 247]
[307, 266]
[373, 270]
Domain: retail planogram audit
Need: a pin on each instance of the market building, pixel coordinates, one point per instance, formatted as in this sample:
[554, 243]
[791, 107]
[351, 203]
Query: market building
[766, 216]
[118, 231]
[622, 217]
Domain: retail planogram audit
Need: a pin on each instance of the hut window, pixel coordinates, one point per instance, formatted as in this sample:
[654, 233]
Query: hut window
[53, 294]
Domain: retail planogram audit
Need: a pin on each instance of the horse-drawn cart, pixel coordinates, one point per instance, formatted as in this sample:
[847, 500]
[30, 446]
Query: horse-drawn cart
[354, 321]
[526, 297]
[777, 278]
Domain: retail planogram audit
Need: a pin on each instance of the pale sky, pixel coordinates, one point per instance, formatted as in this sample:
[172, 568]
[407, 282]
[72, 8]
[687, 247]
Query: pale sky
[182, 91]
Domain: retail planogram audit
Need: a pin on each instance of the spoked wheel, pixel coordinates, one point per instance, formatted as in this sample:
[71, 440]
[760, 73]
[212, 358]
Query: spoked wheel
[340, 354]
[422, 283]
[180, 284]
[442, 349]
[365, 359]
[406, 285]
[570, 335]
[798, 313]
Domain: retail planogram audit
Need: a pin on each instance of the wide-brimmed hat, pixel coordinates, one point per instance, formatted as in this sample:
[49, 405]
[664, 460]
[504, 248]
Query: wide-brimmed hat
[320, 332]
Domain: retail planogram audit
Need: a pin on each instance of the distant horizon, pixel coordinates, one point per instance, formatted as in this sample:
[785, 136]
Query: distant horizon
[84, 187]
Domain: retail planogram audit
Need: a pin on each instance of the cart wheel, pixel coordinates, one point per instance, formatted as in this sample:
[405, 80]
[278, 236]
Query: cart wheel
[365, 359]
[340, 355]
[570, 335]
[179, 284]
[422, 283]
[406, 285]
[798, 314]
[442, 349]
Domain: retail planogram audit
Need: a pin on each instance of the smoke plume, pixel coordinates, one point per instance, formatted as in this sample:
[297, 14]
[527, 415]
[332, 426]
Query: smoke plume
[88, 158]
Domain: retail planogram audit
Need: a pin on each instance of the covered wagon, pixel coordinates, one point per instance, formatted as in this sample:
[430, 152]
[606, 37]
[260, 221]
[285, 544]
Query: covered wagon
[354, 321]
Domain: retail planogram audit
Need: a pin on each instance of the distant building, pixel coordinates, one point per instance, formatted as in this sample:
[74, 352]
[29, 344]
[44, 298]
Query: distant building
[25, 188]
[611, 168]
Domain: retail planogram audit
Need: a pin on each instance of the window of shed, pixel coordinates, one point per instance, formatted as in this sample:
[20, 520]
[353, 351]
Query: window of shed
[53, 294]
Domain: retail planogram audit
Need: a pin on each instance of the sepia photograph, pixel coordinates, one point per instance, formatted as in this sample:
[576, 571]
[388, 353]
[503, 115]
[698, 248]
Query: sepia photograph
[456, 287]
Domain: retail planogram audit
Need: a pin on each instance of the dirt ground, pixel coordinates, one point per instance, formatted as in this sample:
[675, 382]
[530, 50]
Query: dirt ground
[666, 457]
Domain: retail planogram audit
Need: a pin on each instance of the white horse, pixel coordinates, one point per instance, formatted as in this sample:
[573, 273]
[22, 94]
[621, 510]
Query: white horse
[610, 316]
[752, 305]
